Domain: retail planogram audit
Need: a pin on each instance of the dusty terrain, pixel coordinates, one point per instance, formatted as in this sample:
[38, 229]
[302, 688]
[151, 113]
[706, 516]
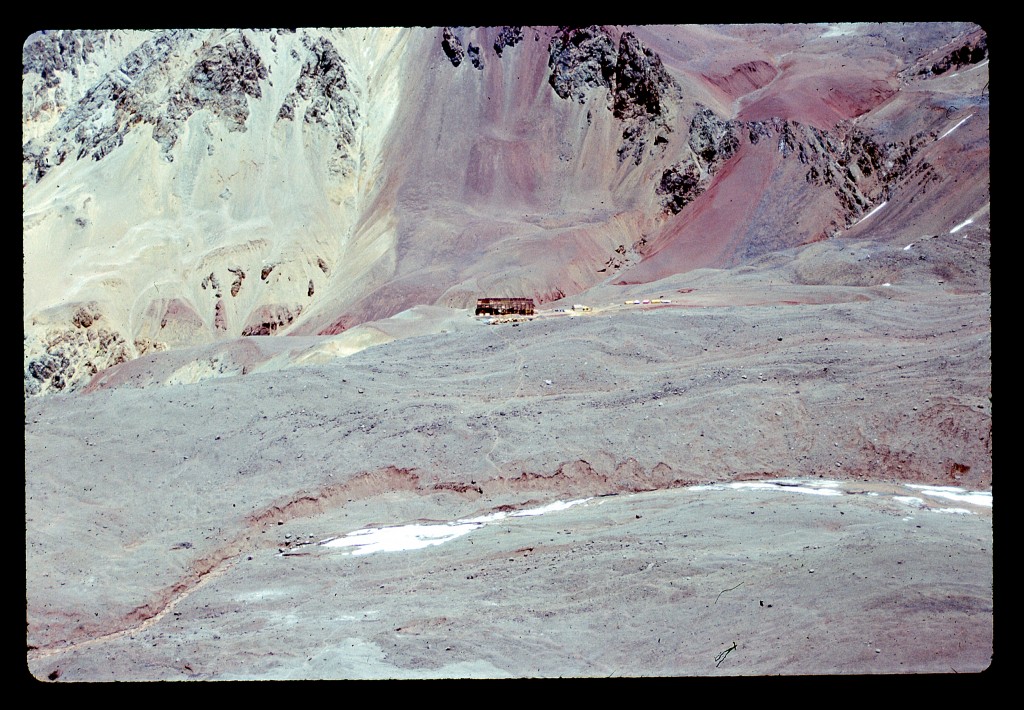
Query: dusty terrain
[180, 574]
[829, 328]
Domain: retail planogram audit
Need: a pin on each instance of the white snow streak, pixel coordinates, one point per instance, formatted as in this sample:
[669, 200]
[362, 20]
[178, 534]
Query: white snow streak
[956, 494]
[417, 536]
[872, 212]
[820, 488]
[960, 226]
[959, 123]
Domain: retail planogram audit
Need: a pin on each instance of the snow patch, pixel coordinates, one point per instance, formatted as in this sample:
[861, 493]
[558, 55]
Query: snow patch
[960, 226]
[405, 537]
[842, 30]
[821, 488]
[418, 536]
[959, 123]
[980, 498]
[869, 214]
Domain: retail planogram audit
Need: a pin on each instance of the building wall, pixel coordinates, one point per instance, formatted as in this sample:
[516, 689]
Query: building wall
[504, 306]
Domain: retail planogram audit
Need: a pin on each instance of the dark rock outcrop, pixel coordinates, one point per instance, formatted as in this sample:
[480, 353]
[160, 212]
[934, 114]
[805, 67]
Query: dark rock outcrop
[222, 82]
[70, 354]
[860, 171]
[329, 101]
[641, 98]
[712, 139]
[507, 37]
[452, 46]
[680, 184]
[640, 89]
[212, 282]
[623, 256]
[50, 53]
[473, 52]
[220, 318]
[971, 52]
[640, 80]
[236, 285]
[581, 59]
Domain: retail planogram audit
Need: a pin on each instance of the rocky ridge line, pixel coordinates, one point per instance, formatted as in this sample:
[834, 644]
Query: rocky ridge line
[73, 354]
[97, 123]
[330, 100]
[860, 171]
[222, 82]
[642, 94]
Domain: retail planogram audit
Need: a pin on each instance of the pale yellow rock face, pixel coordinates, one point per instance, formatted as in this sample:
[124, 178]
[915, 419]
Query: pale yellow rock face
[197, 226]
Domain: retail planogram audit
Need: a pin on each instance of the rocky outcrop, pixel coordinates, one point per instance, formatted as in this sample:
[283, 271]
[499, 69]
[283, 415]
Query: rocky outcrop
[456, 51]
[859, 171]
[98, 122]
[267, 320]
[966, 50]
[473, 52]
[712, 142]
[641, 91]
[972, 51]
[221, 81]
[324, 95]
[145, 345]
[581, 59]
[236, 285]
[507, 37]
[69, 355]
[220, 317]
[57, 67]
[452, 46]
[624, 257]
[211, 282]
[680, 185]
[51, 53]
[712, 139]
[642, 98]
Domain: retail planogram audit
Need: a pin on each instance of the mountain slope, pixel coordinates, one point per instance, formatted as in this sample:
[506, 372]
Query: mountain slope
[784, 266]
[181, 187]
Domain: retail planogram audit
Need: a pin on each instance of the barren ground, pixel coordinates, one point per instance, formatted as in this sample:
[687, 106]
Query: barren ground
[157, 554]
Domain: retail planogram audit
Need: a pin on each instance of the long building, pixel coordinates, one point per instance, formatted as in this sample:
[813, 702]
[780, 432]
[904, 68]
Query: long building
[504, 306]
